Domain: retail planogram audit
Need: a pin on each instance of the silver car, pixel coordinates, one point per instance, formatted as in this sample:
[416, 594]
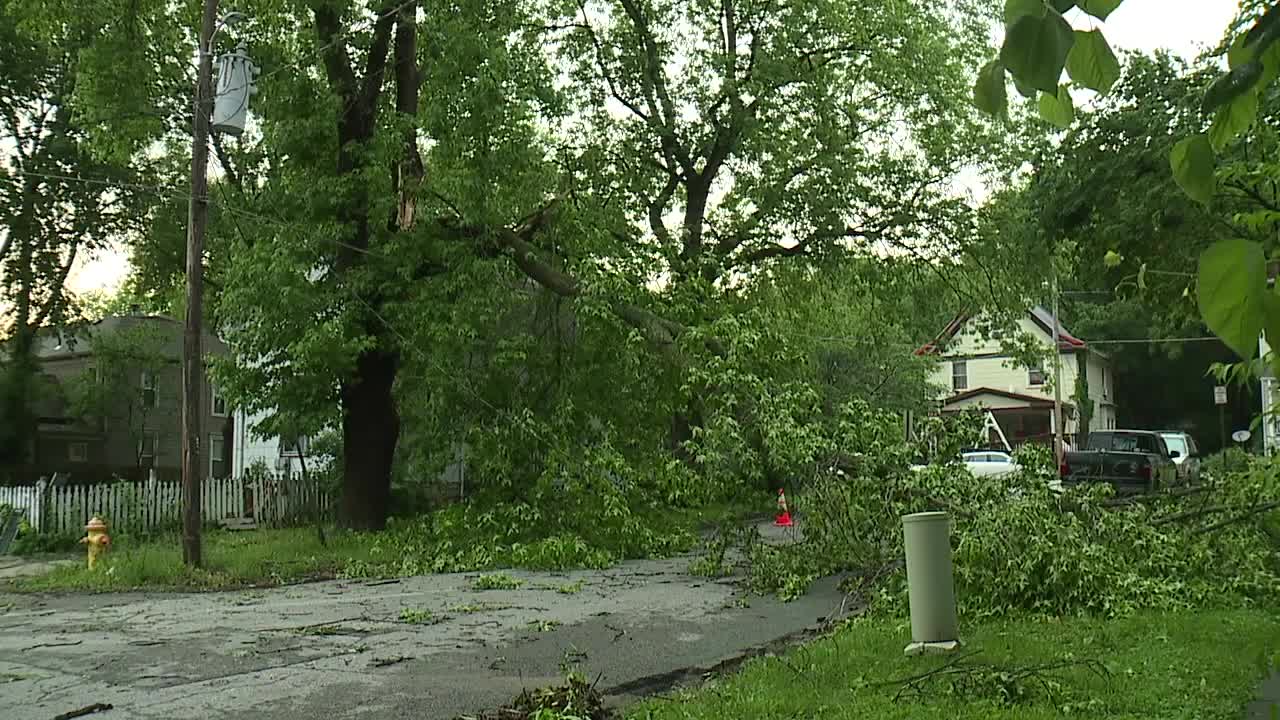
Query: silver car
[1188, 459]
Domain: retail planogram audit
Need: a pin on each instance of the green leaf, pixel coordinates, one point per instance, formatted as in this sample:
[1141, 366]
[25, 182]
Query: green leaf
[1112, 259]
[1091, 62]
[1142, 277]
[1232, 85]
[1063, 5]
[1192, 161]
[1014, 9]
[1035, 49]
[1239, 53]
[990, 93]
[1234, 119]
[1057, 109]
[1025, 90]
[1231, 289]
[1099, 8]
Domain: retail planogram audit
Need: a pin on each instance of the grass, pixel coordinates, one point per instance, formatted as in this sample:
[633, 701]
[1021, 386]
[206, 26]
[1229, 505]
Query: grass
[232, 560]
[1179, 665]
[263, 558]
[496, 581]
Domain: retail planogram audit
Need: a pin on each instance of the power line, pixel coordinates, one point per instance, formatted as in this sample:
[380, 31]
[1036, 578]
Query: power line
[162, 193]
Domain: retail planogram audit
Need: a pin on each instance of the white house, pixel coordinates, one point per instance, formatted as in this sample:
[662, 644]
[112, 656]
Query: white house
[277, 454]
[978, 372]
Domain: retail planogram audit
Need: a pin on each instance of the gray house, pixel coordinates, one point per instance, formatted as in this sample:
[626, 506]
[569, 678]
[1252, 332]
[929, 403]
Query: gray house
[111, 403]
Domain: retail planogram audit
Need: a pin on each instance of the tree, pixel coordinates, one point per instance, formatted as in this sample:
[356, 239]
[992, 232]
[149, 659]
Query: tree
[113, 392]
[48, 218]
[1231, 289]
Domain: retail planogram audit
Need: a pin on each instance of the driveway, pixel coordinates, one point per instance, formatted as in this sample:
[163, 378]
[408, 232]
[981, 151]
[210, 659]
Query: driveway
[423, 647]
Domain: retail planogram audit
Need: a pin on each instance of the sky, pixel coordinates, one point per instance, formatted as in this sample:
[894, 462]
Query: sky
[1183, 26]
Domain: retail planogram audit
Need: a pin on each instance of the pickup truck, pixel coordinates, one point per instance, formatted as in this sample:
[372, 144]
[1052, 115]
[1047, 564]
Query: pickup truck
[1130, 460]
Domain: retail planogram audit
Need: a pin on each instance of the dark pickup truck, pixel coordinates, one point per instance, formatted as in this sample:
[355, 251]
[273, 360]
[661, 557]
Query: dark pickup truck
[1130, 460]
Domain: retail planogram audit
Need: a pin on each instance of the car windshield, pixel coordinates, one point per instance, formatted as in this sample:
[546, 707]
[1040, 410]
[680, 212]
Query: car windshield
[986, 457]
[1176, 443]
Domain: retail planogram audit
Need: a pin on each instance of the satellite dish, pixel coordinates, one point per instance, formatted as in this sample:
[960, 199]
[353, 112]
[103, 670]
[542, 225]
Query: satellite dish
[1241, 436]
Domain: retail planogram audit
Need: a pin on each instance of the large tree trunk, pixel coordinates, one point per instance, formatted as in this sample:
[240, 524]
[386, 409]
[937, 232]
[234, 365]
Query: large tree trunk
[370, 428]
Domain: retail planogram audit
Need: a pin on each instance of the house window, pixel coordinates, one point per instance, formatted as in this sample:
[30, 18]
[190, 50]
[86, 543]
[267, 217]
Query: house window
[1035, 375]
[217, 459]
[293, 446]
[959, 375]
[217, 404]
[148, 446]
[150, 398]
[78, 452]
[1104, 381]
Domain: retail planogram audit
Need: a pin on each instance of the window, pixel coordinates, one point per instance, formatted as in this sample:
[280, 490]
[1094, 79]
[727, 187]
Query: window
[1104, 381]
[293, 446]
[1035, 375]
[217, 404]
[150, 398]
[217, 456]
[148, 446]
[78, 452]
[959, 375]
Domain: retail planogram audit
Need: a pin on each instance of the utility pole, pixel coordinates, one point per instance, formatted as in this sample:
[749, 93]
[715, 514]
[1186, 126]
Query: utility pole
[1057, 377]
[192, 353]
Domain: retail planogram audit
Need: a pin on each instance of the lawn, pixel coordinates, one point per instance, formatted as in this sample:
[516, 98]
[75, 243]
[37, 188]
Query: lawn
[1187, 665]
[264, 557]
[232, 560]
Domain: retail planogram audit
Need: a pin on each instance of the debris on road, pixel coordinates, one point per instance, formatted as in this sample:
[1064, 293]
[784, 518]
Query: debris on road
[86, 710]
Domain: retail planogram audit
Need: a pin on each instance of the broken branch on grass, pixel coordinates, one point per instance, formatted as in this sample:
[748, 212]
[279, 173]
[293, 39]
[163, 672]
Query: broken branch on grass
[1256, 510]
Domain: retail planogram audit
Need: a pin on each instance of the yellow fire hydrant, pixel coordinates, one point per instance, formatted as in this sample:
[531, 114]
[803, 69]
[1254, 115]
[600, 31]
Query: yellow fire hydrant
[96, 540]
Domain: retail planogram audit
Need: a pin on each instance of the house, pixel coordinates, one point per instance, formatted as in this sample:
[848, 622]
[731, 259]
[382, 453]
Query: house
[111, 403]
[981, 372]
[276, 454]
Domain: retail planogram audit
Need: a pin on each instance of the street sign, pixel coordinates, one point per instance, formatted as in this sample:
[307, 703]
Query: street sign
[1241, 436]
[1220, 395]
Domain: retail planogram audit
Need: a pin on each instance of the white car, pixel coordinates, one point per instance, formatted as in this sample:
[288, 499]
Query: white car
[987, 463]
[1188, 460]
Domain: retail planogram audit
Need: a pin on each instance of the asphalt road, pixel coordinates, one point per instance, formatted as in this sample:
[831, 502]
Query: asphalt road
[346, 649]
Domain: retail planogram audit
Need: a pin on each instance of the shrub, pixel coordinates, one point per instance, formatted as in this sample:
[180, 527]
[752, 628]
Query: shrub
[1020, 546]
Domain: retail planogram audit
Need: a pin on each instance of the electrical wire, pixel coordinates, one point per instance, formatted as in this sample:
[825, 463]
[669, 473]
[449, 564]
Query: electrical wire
[162, 193]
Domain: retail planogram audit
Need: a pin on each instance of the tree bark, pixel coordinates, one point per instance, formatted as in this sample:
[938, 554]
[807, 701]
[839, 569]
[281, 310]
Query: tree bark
[370, 429]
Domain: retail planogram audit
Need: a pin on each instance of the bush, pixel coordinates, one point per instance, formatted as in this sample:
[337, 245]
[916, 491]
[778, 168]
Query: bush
[584, 511]
[1020, 546]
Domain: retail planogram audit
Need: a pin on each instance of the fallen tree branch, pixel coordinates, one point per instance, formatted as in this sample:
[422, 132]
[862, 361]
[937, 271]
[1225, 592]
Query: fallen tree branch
[86, 710]
[1256, 510]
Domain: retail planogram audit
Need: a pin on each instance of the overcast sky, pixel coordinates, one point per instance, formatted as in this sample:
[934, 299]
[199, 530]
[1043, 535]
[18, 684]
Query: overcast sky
[1183, 26]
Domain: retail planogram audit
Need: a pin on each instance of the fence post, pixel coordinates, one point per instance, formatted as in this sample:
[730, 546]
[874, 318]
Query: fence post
[41, 505]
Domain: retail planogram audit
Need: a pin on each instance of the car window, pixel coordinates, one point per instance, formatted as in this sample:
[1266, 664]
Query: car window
[1176, 443]
[1126, 442]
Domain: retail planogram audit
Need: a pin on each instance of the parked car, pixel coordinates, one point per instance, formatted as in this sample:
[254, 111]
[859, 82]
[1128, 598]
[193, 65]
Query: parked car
[987, 463]
[1130, 460]
[1188, 459]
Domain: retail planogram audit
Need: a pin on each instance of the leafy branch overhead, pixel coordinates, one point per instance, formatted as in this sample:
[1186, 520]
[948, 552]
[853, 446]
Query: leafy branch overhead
[1040, 45]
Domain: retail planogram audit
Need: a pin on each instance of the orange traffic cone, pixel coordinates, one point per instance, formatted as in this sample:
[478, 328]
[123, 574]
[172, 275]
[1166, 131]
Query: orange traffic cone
[784, 516]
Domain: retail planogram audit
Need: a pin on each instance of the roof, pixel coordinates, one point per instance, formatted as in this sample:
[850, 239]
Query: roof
[1042, 318]
[1033, 400]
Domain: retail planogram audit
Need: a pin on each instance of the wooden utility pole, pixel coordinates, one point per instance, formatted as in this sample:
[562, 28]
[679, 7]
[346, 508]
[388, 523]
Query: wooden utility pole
[192, 353]
[1058, 447]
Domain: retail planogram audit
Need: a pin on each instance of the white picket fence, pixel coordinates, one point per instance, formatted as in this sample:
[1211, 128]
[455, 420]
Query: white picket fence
[270, 502]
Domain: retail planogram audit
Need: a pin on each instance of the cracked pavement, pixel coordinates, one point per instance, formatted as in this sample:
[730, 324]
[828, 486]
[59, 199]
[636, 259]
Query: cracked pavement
[341, 649]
